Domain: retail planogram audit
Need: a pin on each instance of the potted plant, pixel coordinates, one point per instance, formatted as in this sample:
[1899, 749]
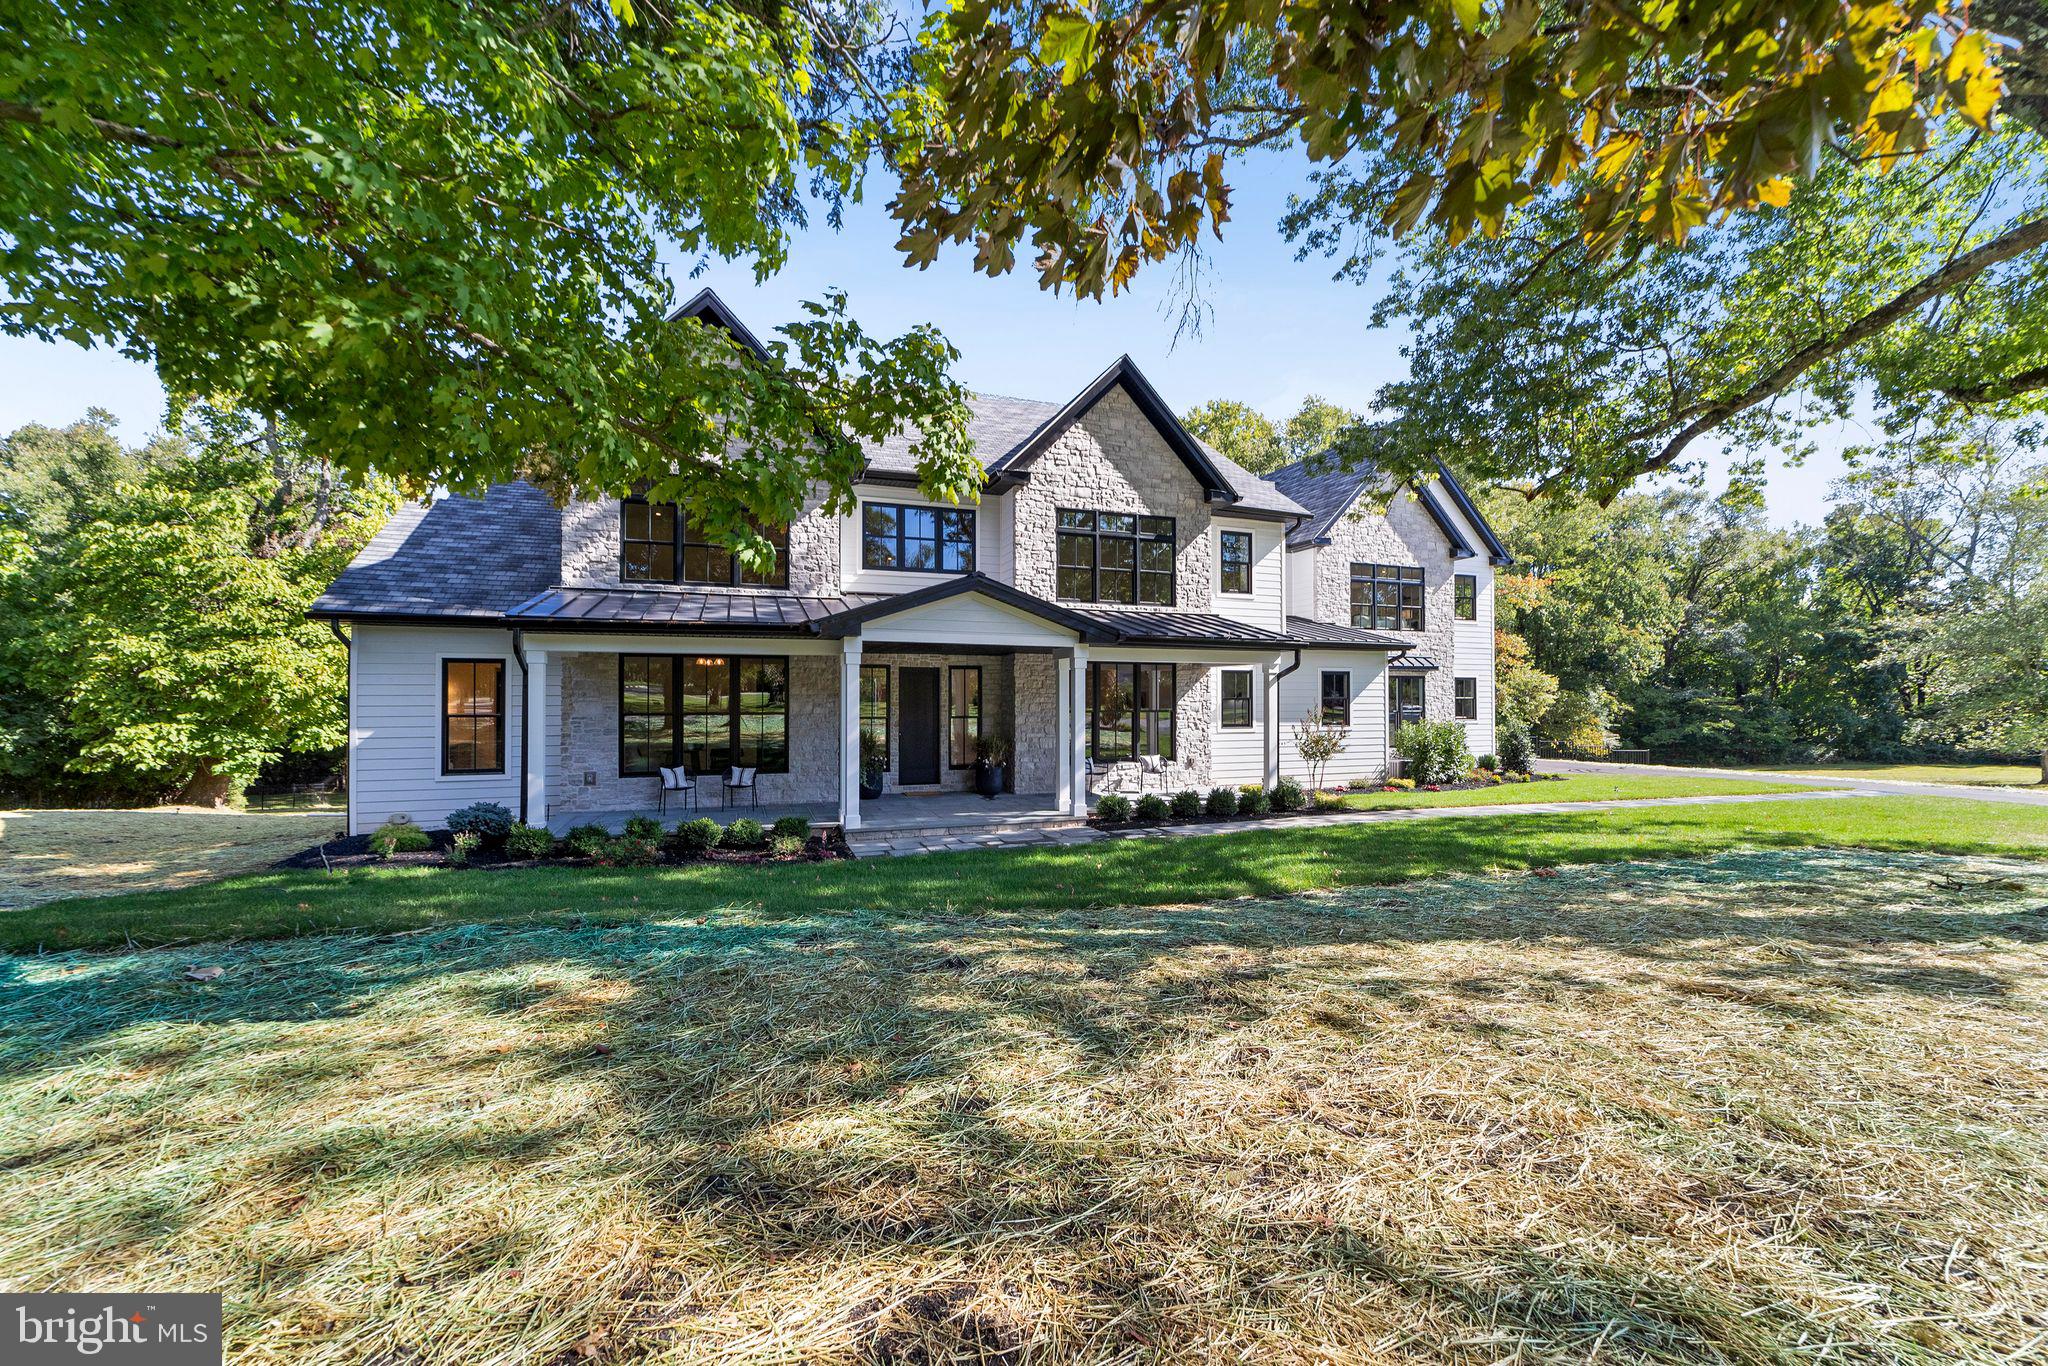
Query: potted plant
[991, 765]
[874, 758]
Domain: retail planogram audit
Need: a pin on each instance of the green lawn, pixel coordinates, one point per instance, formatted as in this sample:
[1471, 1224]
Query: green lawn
[1268, 862]
[1577, 787]
[1988, 775]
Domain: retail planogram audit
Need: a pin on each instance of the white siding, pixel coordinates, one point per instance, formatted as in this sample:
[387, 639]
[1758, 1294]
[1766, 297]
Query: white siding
[1265, 604]
[395, 725]
[1237, 756]
[1472, 641]
[990, 545]
[967, 618]
[1365, 749]
[1301, 583]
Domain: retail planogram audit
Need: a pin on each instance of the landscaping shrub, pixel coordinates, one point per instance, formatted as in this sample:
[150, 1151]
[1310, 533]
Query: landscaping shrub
[1187, 804]
[1400, 784]
[644, 828]
[488, 821]
[745, 833]
[1327, 801]
[627, 851]
[1489, 762]
[1222, 802]
[528, 841]
[1152, 808]
[1287, 795]
[1433, 751]
[463, 847]
[694, 839]
[1113, 808]
[586, 841]
[1253, 801]
[791, 827]
[1517, 749]
[399, 837]
[786, 846]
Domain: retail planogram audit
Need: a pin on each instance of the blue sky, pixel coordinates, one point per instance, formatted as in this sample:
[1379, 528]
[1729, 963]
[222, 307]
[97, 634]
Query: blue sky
[1279, 330]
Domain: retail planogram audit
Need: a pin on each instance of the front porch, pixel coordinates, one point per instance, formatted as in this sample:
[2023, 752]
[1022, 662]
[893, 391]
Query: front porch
[887, 815]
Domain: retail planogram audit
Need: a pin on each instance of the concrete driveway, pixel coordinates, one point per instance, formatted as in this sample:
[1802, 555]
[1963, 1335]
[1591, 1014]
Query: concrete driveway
[2021, 796]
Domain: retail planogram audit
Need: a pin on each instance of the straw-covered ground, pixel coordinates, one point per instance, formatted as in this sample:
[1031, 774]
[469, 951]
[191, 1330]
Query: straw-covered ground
[1753, 1107]
[49, 855]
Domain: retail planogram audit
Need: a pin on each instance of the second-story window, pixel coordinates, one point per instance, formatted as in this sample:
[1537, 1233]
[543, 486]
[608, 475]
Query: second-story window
[657, 544]
[1234, 552]
[925, 540]
[1465, 597]
[1386, 597]
[1116, 557]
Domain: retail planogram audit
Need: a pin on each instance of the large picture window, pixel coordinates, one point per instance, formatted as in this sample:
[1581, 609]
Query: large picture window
[1336, 697]
[1130, 711]
[1465, 596]
[874, 706]
[657, 544]
[1386, 597]
[1234, 556]
[963, 713]
[473, 716]
[1404, 699]
[1116, 557]
[1236, 703]
[707, 713]
[924, 540]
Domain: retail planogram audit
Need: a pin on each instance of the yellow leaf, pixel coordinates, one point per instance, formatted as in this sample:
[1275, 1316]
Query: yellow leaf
[1777, 192]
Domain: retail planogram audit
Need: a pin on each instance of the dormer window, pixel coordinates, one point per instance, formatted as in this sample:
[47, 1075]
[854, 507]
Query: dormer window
[657, 544]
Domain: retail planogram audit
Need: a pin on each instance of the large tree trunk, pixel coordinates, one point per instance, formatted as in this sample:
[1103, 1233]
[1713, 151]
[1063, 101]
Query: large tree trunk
[208, 788]
[2044, 767]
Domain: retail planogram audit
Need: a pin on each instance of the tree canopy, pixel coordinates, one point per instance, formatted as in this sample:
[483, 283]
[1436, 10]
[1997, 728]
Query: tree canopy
[426, 235]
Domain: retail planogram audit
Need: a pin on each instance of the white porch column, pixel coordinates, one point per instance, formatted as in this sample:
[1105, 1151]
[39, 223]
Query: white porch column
[849, 734]
[539, 726]
[1063, 722]
[1269, 689]
[1077, 732]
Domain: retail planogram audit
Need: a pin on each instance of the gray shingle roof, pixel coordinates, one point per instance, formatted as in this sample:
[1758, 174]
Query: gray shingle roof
[458, 557]
[680, 609]
[1325, 489]
[998, 426]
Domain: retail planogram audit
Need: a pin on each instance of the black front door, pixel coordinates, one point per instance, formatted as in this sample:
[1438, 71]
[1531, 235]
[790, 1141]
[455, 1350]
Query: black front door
[917, 749]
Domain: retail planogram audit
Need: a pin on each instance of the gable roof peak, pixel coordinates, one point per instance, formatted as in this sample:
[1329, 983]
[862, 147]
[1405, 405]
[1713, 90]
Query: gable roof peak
[706, 306]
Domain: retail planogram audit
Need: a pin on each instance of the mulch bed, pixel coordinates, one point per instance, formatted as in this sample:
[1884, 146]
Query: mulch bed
[354, 852]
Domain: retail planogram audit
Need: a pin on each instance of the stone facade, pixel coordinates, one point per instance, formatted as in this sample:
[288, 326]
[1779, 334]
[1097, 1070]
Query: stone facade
[1404, 535]
[998, 713]
[1114, 460]
[1035, 706]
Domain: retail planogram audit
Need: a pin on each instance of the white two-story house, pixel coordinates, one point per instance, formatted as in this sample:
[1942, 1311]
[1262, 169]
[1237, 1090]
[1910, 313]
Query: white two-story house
[1118, 591]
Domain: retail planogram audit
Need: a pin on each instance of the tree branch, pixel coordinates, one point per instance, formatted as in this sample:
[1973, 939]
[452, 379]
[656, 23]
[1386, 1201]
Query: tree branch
[1998, 390]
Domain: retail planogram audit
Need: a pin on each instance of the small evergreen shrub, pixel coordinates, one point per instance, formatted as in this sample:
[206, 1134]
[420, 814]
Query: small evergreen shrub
[1433, 751]
[1489, 762]
[463, 847]
[1113, 808]
[586, 841]
[528, 841]
[1152, 808]
[745, 833]
[786, 846]
[1287, 795]
[791, 827]
[1253, 801]
[1517, 749]
[644, 828]
[1222, 802]
[627, 851]
[1187, 804]
[1327, 801]
[399, 837]
[489, 821]
[694, 839]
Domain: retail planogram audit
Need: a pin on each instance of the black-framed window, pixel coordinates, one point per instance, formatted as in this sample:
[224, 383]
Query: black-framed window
[1404, 698]
[1465, 596]
[657, 544]
[1336, 697]
[874, 706]
[1386, 597]
[472, 716]
[1236, 699]
[1234, 556]
[1116, 557]
[707, 713]
[923, 540]
[1130, 711]
[963, 715]
[1465, 699]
